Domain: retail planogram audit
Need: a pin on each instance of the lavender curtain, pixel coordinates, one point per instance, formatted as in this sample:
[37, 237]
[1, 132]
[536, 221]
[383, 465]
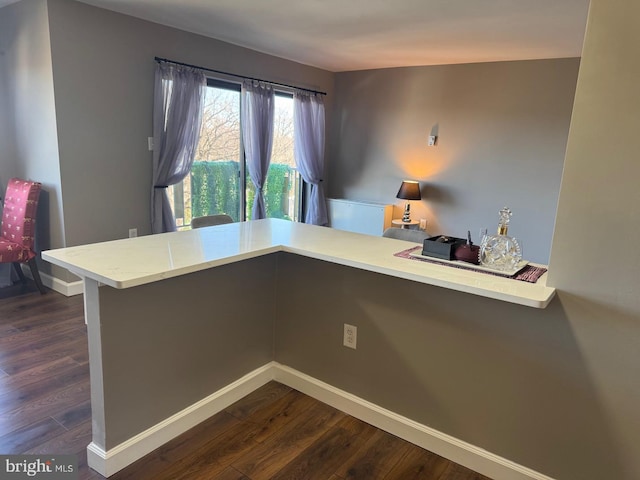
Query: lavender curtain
[257, 136]
[308, 121]
[177, 116]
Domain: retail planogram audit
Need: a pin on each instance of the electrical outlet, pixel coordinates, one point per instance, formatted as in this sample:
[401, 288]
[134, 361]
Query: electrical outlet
[150, 143]
[133, 232]
[423, 224]
[432, 140]
[350, 338]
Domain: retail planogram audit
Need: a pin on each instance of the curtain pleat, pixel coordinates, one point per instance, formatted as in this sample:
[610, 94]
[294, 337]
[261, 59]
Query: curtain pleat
[257, 136]
[177, 118]
[309, 125]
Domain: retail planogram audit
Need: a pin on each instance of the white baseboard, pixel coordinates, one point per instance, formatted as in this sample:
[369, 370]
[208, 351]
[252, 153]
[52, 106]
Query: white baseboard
[109, 462]
[115, 459]
[68, 289]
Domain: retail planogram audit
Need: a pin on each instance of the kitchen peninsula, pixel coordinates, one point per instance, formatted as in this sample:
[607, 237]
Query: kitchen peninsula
[182, 324]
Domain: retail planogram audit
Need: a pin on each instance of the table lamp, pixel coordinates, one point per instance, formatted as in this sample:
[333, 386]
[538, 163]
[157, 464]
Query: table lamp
[409, 190]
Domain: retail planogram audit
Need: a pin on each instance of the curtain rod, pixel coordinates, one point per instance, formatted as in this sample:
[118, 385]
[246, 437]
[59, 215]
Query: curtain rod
[158, 59]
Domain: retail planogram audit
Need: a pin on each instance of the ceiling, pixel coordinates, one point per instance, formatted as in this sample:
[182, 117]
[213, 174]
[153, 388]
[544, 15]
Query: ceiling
[341, 35]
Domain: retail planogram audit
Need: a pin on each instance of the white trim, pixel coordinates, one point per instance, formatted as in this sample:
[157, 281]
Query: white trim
[108, 462]
[465, 454]
[68, 289]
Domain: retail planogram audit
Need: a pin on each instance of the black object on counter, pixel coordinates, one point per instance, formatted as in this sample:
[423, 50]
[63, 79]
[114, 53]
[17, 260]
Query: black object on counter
[441, 246]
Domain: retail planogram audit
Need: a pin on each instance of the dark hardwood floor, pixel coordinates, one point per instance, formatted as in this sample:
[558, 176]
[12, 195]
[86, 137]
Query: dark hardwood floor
[274, 433]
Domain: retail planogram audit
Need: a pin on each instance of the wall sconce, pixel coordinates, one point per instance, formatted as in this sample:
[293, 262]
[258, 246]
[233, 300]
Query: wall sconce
[409, 190]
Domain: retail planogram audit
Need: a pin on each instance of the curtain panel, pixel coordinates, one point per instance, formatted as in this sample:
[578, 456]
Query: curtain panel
[257, 136]
[177, 118]
[309, 125]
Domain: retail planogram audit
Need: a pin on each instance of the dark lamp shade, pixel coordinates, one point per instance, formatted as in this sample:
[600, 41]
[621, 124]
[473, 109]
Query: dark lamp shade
[409, 190]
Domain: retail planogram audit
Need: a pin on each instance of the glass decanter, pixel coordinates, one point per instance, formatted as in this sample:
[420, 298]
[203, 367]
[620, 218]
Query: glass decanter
[501, 252]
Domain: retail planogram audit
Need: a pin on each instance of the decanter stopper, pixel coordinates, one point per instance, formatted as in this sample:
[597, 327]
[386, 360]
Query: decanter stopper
[503, 223]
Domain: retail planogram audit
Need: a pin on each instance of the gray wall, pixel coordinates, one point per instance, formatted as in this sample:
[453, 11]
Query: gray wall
[599, 197]
[502, 130]
[103, 74]
[27, 112]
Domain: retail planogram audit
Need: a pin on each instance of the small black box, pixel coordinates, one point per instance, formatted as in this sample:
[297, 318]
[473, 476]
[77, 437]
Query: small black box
[441, 246]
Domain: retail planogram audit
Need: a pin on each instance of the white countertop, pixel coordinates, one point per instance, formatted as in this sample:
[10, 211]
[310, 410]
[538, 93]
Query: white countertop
[136, 261]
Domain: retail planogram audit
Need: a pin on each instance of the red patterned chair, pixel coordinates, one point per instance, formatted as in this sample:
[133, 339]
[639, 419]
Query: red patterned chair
[19, 227]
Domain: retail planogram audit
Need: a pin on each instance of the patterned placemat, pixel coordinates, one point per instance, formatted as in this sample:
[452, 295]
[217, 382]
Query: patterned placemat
[529, 274]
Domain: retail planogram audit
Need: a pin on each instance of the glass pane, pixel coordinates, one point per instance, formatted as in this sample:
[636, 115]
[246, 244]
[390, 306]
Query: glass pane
[283, 185]
[213, 186]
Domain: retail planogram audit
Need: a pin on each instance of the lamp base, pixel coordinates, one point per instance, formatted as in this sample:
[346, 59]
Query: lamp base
[407, 213]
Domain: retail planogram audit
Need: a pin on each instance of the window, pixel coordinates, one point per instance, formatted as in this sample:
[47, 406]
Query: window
[219, 181]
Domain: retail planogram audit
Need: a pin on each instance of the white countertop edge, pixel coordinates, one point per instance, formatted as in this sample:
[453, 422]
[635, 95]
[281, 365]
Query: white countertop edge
[154, 277]
[374, 254]
[536, 302]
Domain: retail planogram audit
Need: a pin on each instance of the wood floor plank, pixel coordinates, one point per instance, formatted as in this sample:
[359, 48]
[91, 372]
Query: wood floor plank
[67, 443]
[231, 473]
[322, 458]
[10, 302]
[153, 465]
[82, 357]
[290, 441]
[29, 436]
[212, 458]
[27, 342]
[47, 351]
[34, 313]
[419, 464]
[53, 404]
[34, 374]
[6, 328]
[74, 415]
[257, 399]
[271, 418]
[22, 338]
[376, 458]
[34, 391]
